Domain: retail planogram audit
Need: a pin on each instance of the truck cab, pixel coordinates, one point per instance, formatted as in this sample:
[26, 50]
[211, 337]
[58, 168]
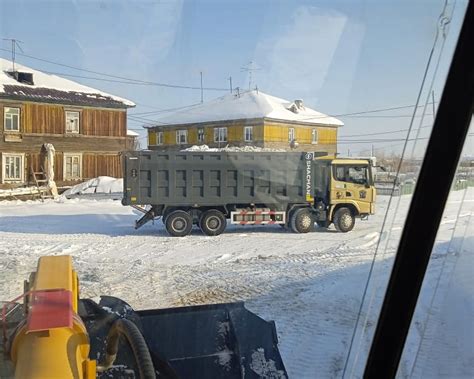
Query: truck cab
[348, 193]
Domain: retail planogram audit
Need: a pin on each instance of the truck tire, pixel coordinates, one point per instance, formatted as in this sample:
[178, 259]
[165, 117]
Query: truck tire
[179, 223]
[302, 221]
[344, 220]
[212, 223]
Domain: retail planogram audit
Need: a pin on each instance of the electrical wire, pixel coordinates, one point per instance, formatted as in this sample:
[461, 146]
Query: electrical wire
[129, 80]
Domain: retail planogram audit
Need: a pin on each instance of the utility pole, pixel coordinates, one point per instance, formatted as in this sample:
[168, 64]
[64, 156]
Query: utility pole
[15, 43]
[230, 80]
[202, 92]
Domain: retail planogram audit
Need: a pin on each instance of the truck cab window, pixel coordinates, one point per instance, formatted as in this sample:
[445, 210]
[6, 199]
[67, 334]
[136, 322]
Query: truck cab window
[351, 174]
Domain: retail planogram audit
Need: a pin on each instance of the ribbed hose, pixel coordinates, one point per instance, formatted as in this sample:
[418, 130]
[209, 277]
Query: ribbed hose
[127, 329]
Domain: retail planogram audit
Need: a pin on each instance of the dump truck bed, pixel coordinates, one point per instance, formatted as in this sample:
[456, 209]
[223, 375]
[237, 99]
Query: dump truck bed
[214, 178]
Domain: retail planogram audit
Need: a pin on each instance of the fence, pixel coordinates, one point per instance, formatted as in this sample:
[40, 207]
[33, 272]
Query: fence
[385, 189]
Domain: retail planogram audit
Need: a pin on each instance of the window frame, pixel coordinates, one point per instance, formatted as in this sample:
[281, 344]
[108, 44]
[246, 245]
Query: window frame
[348, 167]
[291, 134]
[314, 136]
[71, 155]
[78, 113]
[218, 134]
[201, 133]
[22, 167]
[179, 133]
[5, 119]
[246, 128]
[159, 138]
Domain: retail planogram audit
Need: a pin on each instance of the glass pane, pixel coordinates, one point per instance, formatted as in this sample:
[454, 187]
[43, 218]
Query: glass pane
[345, 80]
[441, 339]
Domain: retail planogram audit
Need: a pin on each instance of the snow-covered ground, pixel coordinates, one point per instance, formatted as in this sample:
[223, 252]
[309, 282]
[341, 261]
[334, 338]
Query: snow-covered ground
[311, 285]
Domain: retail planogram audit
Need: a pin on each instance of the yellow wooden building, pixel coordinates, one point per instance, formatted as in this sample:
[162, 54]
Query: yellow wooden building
[251, 118]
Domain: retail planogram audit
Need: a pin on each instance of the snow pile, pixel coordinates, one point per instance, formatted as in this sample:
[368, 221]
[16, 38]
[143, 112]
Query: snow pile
[6, 193]
[248, 149]
[43, 80]
[103, 186]
[249, 105]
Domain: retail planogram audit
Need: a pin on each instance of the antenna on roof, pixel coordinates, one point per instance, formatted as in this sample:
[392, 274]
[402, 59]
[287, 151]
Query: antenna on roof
[15, 43]
[250, 67]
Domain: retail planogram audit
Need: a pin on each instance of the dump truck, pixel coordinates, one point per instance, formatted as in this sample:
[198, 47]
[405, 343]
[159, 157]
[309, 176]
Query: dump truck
[49, 331]
[294, 190]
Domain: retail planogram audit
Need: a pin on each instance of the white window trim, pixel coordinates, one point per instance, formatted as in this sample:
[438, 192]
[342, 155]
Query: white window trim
[314, 132]
[158, 135]
[203, 135]
[291, 134]
[218, 139]
[22, 171]
[178, 134]
[65, 155]
[5, 120]
[251, 133]
[78, 122]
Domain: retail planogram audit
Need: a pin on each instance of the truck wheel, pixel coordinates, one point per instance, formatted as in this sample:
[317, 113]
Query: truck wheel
[212, 223]
[179, 223]
[344, 220]
[302, 221]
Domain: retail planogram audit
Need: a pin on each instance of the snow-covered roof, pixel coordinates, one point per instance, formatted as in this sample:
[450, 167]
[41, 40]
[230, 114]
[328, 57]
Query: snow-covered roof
[53, 88]
[131, 133]
[248, 105]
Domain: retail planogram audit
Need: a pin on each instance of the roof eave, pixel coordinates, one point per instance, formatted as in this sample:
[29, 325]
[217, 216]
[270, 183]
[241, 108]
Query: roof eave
[48, 100]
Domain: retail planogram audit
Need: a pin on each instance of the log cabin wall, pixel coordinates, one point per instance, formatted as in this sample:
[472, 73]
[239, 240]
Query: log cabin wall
[102, 136]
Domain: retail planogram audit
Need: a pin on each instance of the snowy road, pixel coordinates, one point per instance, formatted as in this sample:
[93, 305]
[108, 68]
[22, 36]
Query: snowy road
[311, 285]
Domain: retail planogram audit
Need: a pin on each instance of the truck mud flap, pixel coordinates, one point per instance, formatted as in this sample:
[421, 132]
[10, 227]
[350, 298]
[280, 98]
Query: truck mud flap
[204, 341]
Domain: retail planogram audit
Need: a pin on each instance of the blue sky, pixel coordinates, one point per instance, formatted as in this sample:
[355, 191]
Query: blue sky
[338, 56]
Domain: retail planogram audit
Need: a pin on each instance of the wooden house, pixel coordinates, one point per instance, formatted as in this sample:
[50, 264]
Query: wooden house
[87, 127]
[251, 118]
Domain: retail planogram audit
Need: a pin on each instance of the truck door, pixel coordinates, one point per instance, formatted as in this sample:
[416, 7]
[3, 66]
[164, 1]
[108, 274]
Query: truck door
[352, 181]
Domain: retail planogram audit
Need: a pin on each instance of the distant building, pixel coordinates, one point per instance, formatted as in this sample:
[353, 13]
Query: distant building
[250, 118]
[87, 127]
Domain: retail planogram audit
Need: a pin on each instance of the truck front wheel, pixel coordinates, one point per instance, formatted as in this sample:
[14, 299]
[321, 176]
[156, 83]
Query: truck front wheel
[344, 220]
[179, 223]
[302, 221]
[212, 223]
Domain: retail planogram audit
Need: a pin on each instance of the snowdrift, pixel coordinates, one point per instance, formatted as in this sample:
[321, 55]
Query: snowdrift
[101, 187]
[232, 148]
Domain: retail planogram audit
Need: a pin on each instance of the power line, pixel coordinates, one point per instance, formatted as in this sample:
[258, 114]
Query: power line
[165, 110]
[129, 80]
[380, 133]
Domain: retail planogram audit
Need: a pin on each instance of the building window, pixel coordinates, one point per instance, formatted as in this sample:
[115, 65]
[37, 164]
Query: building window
[291, 134]
[72, 122]
[220, 134]
[72, 166]
[159, 138]
[13, 168]
[11, 119]
[200, 135]
[314, 136]
[248, 133]
[182, 137]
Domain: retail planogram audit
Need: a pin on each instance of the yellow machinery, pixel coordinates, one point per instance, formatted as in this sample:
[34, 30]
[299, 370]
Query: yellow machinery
[52, 341]
[55, 334]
